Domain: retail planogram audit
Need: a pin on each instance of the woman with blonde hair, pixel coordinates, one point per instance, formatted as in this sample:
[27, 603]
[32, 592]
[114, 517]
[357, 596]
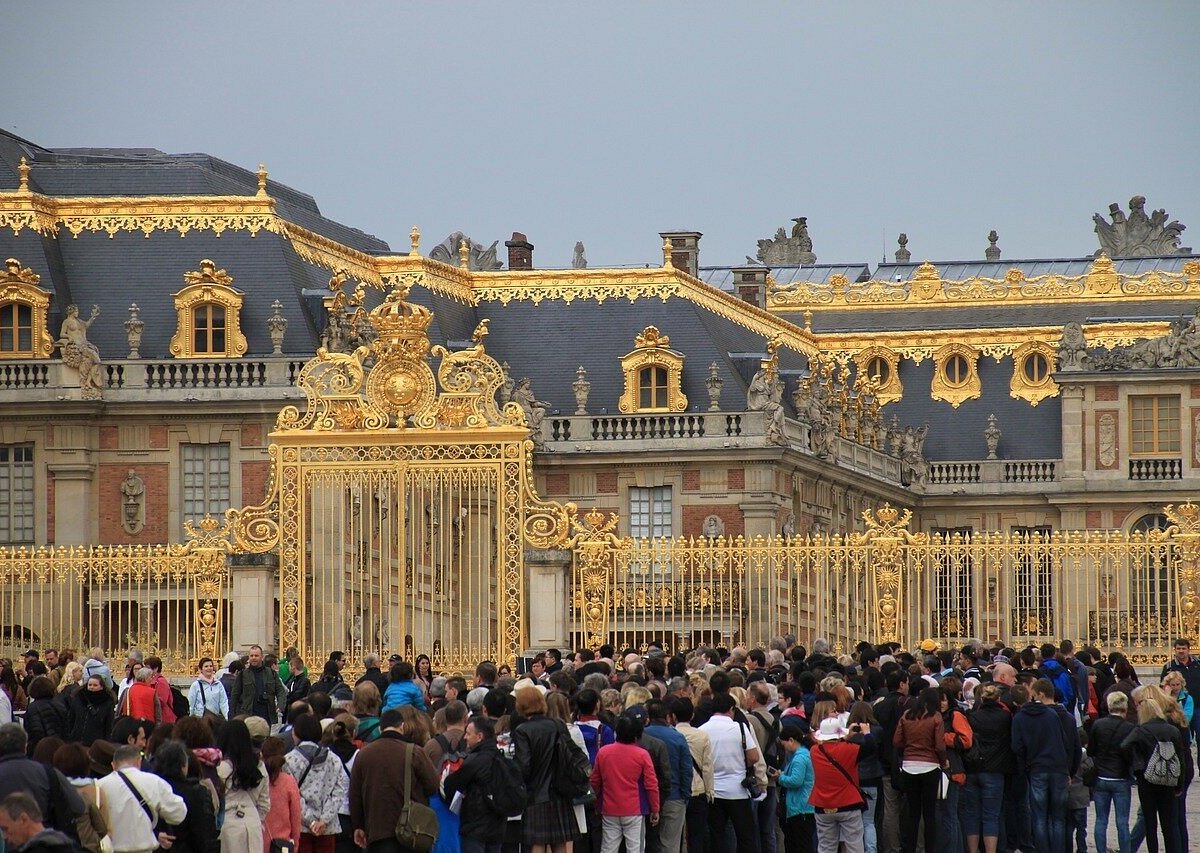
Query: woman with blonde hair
[1174, 685]
[71, 681]
[416, 727]
[364, 705]
[1162, 765]
[633, 694]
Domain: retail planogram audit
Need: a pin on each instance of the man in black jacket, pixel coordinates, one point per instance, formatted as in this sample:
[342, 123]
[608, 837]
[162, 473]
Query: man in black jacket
[481, 824]
[57, 801]
[257, 690]
[888, 711]
[1046, 745]
[373, 673]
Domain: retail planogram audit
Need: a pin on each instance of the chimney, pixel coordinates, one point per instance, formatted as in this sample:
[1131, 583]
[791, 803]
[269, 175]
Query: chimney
[520, 252]
[685, 250]
[750, 284]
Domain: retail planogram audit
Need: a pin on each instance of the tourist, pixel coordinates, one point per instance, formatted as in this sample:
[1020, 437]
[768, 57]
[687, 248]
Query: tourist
[796, 780]
[734, 749]
[372, 673]
[197, 832]
[423, 674]
[548, 822]
[323, 785]
[1162, 764]
[43, 716]
[982, 796]
[481, 825]
[700, 747]
[921, 750]
[247, 789]
[403, 690]
[1045, 743]
[257, 690]
[626, 789]
[377, 792]
[21, 823]
[365, 704]
[70, 682]
[1111, 762]
[206, 695]
[73, 762]
[284, 818]
[137, 801]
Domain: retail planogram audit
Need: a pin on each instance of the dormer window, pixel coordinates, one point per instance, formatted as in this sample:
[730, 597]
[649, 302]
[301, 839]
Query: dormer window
[23, 308]
[653, 375]
[208, 314]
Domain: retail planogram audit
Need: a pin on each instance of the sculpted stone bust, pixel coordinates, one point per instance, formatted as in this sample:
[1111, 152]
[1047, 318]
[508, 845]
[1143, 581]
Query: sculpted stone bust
[1072, 349]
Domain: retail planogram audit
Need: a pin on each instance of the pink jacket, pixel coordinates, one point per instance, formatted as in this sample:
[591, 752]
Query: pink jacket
[283, 820]
[624, 781]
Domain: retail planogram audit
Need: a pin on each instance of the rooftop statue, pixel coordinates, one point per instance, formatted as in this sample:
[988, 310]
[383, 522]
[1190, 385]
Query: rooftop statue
[478, 258]
[785, 251]
[579, 260]
[1138, 235]
[1072, 350]
[77, 352]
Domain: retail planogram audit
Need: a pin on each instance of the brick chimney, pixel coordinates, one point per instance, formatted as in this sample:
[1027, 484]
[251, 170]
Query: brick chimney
[750, 284]
[685, 250]
[520, 252]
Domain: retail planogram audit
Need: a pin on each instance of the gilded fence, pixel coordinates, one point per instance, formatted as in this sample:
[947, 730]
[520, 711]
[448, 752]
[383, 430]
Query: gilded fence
[1115, 589]
[168, 600]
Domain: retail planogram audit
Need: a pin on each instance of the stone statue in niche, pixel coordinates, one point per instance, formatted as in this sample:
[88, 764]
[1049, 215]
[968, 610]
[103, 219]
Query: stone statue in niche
[1138, 235]
[77, 352]
[713, 527]
[788, 529]
[788, 251]
[535, 409]
[914, 469]
[478, 258]
[133, 509]
[1072, 349]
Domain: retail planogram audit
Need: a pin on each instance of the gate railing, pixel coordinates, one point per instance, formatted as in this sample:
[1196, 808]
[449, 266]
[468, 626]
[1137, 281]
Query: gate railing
[167, 600]
[1112, 589]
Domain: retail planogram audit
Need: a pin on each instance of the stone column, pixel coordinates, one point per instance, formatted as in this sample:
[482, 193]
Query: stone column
[74, 516]
[760, 592]
[1072, 437]
[252, 578]
[547, 590]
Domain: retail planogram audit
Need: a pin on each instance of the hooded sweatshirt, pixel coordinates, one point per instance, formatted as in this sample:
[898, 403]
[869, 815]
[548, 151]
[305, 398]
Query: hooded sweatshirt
[1045, 740]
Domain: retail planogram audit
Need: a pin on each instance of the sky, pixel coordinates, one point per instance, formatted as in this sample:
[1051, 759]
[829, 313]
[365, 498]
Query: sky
[609, 122]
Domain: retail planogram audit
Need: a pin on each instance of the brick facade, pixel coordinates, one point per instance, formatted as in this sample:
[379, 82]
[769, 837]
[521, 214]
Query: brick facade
[156, 503]
[254, 482]
[606, 482]
[694, 515]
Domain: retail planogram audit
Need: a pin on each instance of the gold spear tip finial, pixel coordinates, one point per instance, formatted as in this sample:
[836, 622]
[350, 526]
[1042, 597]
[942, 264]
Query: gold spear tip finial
[262, 179]
[464, 253]
[808, 315]
[667, 253]
[23, 169]
[414, 239]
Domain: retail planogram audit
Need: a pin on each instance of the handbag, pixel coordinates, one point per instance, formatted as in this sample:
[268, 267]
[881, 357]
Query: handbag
[844, 772]
[282, 845]
[417, 826]
[750, 782]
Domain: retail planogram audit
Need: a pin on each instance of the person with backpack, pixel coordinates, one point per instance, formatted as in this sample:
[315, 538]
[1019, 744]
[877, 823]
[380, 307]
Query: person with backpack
[1053, 670]
[1045, 743]
[766, 730]
[836, 796]
[1162, 764]
[491, 789]
[870, 769]
[988, 762]
[548, 822]
[958, 735]
[388, 774]
[1111, 767]
[673, 810]
[323, 785]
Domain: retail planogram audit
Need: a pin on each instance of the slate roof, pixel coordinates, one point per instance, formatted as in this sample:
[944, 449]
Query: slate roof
[722, 277]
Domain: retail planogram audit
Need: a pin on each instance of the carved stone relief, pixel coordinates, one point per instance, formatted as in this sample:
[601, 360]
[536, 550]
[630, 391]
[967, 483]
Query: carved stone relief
[133, 503]
[783, 250]
[713, 527]
[1106, 440]
[478, 258]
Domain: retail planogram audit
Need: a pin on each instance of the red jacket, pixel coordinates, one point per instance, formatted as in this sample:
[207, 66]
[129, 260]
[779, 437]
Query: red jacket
[831, 789]
[624, 781]
[140, 703]
[162, 689]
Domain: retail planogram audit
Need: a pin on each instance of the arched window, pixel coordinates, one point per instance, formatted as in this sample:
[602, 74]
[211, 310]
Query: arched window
[23, 308]
[879, 370]
[1036, 368]
[956, 377]
[652, 387]
[1033, 365]
[1150, 579]
[957, 371]
[208, 313]
[208, 329]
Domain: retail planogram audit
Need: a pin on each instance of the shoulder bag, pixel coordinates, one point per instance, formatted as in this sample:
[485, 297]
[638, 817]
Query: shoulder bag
[417, 826]
[840, 769]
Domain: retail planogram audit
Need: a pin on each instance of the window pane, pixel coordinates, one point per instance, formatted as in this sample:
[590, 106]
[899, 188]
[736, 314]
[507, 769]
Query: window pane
[205, 470]
[16, 493]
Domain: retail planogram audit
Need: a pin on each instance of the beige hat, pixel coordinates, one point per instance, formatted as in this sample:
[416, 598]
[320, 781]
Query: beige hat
[529, 682]
[259, 728]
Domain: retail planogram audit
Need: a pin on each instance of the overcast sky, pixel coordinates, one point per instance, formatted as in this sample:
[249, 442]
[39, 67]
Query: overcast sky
[609, 122]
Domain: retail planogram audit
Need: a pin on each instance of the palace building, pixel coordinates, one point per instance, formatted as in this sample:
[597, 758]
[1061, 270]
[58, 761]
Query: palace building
[157, 312]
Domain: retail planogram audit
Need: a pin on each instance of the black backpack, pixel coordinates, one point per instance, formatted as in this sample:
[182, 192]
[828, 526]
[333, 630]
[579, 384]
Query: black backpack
[771, 751]
[179, 703]
[572, 771]
[506, 795]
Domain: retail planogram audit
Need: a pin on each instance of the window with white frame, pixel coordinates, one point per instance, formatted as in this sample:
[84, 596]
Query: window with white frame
[16, 493]
[205, 480]
[649, 512]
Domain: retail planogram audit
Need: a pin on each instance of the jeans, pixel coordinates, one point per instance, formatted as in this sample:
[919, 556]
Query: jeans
[949, 838]
[1048, 810]
[739, 814]
[1106, 794]
[921, 793]
[474, 845]
[766, 817]
[695, 826]
[980, 803]
[870, 837]
[1158, 809]
[1016, 835]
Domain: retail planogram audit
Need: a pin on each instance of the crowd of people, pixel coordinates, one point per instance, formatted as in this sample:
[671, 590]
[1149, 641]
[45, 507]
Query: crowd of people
[977, 747]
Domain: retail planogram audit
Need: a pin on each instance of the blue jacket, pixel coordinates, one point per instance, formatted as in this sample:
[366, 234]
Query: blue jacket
[403, 693]
[797, 780]
[680, 758]
[1045, 740]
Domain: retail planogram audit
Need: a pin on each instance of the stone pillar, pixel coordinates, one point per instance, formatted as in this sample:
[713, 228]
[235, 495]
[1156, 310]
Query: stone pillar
[74, 515]
[252, 580]
[761, 594]
[547, 590]
[1072, 437]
